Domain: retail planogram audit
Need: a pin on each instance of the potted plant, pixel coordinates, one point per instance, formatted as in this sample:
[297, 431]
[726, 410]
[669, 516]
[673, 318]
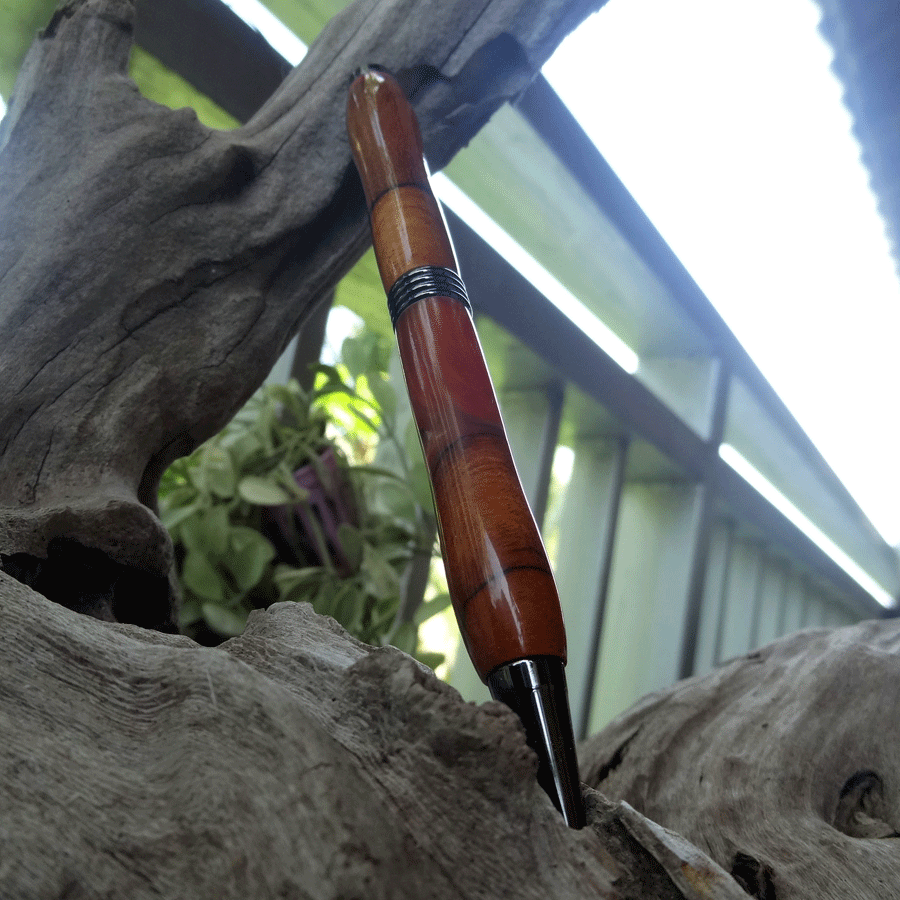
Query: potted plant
[286, 504]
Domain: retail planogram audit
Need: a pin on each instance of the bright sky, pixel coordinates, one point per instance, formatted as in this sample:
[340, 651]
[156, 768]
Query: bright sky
[724, 122]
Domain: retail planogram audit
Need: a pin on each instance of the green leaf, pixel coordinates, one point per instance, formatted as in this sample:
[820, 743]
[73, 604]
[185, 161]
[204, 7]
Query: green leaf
[243, 448]
[190, 533]
[200, 576]
[329, 380]
[405, 638]
[382, 580]
[263, 491]
[289, 396]
[386, 398]
[324, 600]
[176, 492]
[265, 426]
[355, 355]
[297, 584]
[218, 472]
[431, 608]
[249, 556]
[412, 443]
[171, 516]
[351, 541]
[349, 606]
[368, 421]
[283, 476]
[197, 477]
[224, 621]
[288, 575]
[216, 526]
[382, 617]
[206, 532]
[395, 499]
[189, 613]
[421, 486]
[432, 660]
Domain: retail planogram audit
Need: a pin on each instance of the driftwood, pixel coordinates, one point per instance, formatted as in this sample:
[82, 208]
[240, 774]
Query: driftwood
[152, 269]
[294, 761]
[150, 272]
[291, 762]
[783, 766]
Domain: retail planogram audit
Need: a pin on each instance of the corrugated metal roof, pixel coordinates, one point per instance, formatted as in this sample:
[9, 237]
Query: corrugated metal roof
[865, 35]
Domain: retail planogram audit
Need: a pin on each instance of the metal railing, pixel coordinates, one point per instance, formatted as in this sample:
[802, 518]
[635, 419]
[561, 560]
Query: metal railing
[669, 561]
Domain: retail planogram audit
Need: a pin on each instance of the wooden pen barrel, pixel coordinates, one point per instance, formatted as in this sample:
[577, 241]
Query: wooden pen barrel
[499, 577]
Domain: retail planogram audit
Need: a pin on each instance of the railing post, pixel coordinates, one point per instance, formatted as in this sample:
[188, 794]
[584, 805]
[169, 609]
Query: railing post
[656, 538]
[709, 495]
[587, 537]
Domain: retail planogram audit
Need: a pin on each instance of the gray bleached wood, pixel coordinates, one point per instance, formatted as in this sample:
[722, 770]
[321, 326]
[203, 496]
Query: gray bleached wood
[783, 765]
[292, 761]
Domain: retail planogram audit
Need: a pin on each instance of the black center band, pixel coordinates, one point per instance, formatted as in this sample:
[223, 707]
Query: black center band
[426, 281]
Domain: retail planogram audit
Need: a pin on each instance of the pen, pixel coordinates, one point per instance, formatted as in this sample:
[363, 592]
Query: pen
[500, 582]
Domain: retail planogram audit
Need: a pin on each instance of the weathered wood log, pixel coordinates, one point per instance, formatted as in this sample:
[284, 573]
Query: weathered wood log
[296, 760]
[152, 269]
[783, 765]
[292, 761]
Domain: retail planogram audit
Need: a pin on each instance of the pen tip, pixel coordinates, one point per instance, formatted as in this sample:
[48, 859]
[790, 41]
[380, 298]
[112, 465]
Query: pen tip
[535, 689]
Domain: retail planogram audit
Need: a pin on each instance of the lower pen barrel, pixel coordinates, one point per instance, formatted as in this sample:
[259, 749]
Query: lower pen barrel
[499, 577]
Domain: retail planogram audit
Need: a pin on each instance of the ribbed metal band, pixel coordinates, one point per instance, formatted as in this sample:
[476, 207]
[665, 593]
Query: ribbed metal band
[426, 281]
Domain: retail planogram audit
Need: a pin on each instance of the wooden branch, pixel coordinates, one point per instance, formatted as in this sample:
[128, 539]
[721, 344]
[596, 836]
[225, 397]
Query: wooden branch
[291, 762]
[152, 269]
[781, 765]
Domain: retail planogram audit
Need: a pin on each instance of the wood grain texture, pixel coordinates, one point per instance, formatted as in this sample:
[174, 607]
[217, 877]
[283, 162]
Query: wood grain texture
[152, 269]
[498, 573]
[291, 762]
[781, 765]
[499, 577]
[408, 228]
[384, 136]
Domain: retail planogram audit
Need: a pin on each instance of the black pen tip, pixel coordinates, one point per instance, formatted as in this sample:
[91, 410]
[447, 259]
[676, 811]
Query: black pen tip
[535, 689]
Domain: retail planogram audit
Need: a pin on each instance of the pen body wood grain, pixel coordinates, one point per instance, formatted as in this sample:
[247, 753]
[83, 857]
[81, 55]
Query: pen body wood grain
[408, 228]
[498, 573]
[499, 577]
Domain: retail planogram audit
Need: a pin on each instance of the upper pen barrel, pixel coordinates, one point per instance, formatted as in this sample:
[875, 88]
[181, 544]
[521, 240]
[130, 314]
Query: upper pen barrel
[407, 224]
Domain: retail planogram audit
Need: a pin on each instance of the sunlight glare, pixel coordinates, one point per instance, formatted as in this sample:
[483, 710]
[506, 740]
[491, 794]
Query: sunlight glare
[757, 480]
[560, 296]
[271, 28]
[730, 131]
